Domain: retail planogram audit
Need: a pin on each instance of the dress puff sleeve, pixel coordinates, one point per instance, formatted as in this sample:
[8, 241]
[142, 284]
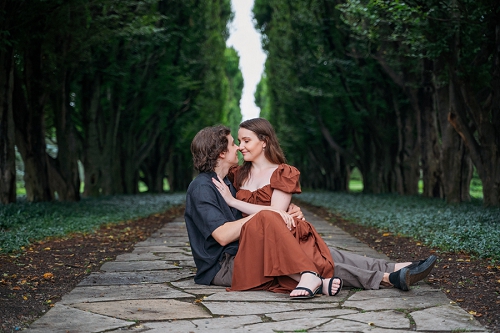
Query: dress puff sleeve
[286, 178]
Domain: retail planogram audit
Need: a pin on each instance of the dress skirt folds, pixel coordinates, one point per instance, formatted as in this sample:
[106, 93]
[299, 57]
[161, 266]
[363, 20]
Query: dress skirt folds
[268, 251]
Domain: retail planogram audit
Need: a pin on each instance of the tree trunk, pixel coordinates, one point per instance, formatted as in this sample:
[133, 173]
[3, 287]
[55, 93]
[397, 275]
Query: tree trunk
[413, 126]
[324, 168]
[28, 109]
[338, 180]
[179, 174]
[101, 156]
[456, 164]
[130, 174]
[484, 154]
[481, 138]
[431, 150]
[66, 163]
[408, 152]
[7, 136]
[372, 182]
[154, 166]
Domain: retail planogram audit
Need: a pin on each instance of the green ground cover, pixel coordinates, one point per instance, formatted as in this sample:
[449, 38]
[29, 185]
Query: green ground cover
[23, 222]
[468, 227]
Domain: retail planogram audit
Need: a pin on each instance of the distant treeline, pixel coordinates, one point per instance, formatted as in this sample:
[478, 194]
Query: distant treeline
[402, 90]
[121, 86]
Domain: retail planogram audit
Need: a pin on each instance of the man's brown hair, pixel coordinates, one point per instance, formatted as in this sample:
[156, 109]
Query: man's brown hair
[207, 145]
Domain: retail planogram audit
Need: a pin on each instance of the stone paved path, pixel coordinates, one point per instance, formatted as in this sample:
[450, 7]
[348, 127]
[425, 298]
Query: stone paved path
[152, 290]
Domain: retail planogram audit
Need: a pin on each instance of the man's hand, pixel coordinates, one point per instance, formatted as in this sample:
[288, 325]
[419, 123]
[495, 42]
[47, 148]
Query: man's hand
[295, 211]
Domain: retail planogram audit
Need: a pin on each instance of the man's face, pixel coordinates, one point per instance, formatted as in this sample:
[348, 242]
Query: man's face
[232, 151]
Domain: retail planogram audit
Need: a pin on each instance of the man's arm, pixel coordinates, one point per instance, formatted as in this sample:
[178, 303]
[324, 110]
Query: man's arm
[230, 231]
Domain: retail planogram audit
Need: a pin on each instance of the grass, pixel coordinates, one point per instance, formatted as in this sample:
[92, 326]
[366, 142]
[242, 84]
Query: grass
[468, 227]
[22, 223]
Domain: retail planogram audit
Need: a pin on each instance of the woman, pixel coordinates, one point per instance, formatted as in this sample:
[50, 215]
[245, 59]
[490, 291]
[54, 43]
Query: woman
[264, 181]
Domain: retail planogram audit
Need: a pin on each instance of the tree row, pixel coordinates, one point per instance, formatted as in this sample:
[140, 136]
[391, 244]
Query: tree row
[118, 87]
[401, 90]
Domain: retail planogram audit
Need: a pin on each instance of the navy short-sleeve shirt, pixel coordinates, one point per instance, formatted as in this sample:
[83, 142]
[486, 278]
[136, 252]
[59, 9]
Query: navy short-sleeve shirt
[206, 210]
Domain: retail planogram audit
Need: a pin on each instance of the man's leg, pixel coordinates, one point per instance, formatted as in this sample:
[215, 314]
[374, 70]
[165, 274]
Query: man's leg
[360, 271]
[225, 274]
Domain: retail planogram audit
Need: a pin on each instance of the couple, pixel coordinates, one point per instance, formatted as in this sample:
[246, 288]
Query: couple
[249, 237]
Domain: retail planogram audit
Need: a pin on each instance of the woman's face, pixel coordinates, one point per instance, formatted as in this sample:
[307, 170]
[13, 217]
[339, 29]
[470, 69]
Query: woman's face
[250, 146]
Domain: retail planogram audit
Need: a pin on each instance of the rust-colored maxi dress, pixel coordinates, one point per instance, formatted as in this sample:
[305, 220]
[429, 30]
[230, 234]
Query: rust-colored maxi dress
[268, 251]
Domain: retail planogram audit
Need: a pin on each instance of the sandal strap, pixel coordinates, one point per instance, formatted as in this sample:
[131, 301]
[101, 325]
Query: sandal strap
[311, 293]
[311, 272]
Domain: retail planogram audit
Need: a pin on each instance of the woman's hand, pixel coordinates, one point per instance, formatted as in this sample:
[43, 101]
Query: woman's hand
[223, 190]
[287, 218]
[289, 221]
[295, 211]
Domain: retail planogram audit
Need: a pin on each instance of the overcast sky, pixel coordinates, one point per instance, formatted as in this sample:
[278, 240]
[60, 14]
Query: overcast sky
[246, 40]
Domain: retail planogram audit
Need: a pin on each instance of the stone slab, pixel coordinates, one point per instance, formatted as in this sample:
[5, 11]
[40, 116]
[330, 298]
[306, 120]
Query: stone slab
[139, 256]
[183, 263]
[190, 284]
[145, 310]
[394, 303]
[265, 296]
[294, 325]
[383, 319]
[115, 293]
[309, 314]
[369, 300]
[170, 241]
[126, 278]
[200, 291]
[157, 249]
[340, 325]
[345, 243]
[203, 325]
[177, 221]
[247, 308]
[63, 319]
[445, 318]
[178, 256]
[170, 232]
[421, 290]
[187, 327]
[133, 266]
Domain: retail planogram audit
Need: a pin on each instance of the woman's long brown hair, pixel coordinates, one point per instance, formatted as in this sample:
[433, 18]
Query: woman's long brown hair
[273, 152]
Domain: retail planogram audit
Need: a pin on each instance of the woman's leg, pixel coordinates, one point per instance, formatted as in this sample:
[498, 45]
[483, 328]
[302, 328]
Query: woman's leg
[309, 281]
[267, 252]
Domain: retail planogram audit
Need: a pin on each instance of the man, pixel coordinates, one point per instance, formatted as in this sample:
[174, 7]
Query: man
[214, 228]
